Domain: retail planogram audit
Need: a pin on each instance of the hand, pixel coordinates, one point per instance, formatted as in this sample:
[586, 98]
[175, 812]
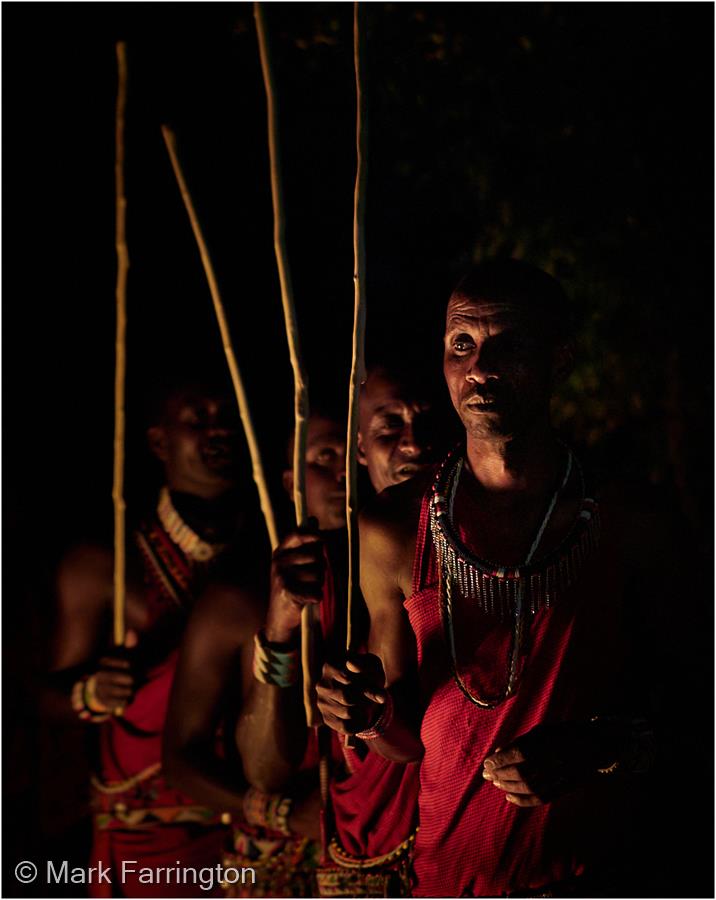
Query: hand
[551, 760]
[352, 698]
[114, 682]
[297, 573]
[305, 816]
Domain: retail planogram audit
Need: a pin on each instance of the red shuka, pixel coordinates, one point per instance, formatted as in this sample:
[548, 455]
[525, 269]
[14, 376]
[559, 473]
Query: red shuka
[375, 804]
[472, 842]
[148, 823]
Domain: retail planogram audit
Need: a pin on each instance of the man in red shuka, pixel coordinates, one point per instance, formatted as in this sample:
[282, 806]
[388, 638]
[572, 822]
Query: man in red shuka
[177, 552]
[494, 618]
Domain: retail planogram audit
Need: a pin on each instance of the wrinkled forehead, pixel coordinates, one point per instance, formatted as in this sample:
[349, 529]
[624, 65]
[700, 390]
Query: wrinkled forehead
[463, 311]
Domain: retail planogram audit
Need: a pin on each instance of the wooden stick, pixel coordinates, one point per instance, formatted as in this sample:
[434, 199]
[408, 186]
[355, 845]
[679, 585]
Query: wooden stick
[120, 350]
[300, 403]
[244, 411]
[359, 318]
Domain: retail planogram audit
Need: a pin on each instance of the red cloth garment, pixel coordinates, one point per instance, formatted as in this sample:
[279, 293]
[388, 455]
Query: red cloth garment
[376, 806]
[374, 800]
[137, 815]
[472, 842]
[161, 851]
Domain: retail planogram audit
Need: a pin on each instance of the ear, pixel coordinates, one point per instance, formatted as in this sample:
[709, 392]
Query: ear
[562, 361]
[287, 480]
[156, 436]
[360, 452]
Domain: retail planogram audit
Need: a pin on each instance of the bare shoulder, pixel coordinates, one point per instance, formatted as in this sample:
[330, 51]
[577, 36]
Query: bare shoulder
[84, 576]
[395, 512]
[389, 527]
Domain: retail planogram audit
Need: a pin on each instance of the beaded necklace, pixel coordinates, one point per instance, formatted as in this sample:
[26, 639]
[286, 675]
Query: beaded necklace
[188, 541]
[175, 556]
[499, 591]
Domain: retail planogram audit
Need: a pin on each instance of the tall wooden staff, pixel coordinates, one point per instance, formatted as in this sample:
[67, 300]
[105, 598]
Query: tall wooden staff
[120, 351]
[358, 358]
[244, 411]
[359, 314]
[299, 378]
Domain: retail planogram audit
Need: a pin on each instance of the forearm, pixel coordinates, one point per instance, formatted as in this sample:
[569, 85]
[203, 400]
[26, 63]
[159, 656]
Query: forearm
[271, 735]
[398, 732]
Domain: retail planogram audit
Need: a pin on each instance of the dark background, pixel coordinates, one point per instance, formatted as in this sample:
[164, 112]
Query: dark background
[577, 136]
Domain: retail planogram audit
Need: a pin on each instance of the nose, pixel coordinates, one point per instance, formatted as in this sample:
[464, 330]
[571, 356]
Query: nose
[481, 369]
[408, 444]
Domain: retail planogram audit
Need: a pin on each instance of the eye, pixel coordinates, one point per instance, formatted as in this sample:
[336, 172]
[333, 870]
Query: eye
[192, 418]
[326, 456]
[390, 423]
[462, 344]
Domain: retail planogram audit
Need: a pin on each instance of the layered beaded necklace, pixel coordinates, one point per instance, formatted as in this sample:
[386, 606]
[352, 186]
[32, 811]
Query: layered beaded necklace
[194, 548]
[501, 592]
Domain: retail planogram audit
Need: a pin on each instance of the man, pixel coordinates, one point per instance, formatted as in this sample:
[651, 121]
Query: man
[397, 422]
[374, 800]
[494, 631]
[123, 693]
[276, 834]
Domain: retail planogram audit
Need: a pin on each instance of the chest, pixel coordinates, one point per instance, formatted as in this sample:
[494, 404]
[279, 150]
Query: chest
[506, 533]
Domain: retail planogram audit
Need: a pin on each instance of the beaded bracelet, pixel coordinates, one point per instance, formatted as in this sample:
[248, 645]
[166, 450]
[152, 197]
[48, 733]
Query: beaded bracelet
[381, 724]
[272, 666]
[81, 703]
[269, 811]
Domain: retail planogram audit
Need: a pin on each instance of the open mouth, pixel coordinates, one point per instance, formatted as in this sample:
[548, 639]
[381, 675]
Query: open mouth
[409, 469]
[482, 404]
[217, 456]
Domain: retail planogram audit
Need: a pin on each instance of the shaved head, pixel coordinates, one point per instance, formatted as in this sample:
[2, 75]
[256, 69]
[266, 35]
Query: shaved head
[520, 286]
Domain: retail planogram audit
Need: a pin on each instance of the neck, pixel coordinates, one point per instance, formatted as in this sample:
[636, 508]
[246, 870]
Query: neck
[214, 519]
[523, 463]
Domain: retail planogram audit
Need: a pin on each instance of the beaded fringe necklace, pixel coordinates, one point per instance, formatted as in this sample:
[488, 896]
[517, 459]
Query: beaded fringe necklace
[501, 592]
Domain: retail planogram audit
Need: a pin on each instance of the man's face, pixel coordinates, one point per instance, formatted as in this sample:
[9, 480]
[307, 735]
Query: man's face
[197, 441]
[325, 473]
[498, 367]
[395, 440]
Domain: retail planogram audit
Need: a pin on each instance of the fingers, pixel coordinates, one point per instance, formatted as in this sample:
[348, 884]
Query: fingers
[334, 696]
[341, 726]
[517, 791]
[117, 679]
[344, 705]
[505, 773]
[114, 663]
[513, 787]
[113, 696]
[510, 756]
[367, 668]
[131, 639]
[364, 664]
[332, 673]
[520, 800]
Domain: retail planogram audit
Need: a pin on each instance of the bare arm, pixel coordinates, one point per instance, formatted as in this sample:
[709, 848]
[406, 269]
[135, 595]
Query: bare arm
[272, 732]
[212, 676]
[357, 695]
[84, 598]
